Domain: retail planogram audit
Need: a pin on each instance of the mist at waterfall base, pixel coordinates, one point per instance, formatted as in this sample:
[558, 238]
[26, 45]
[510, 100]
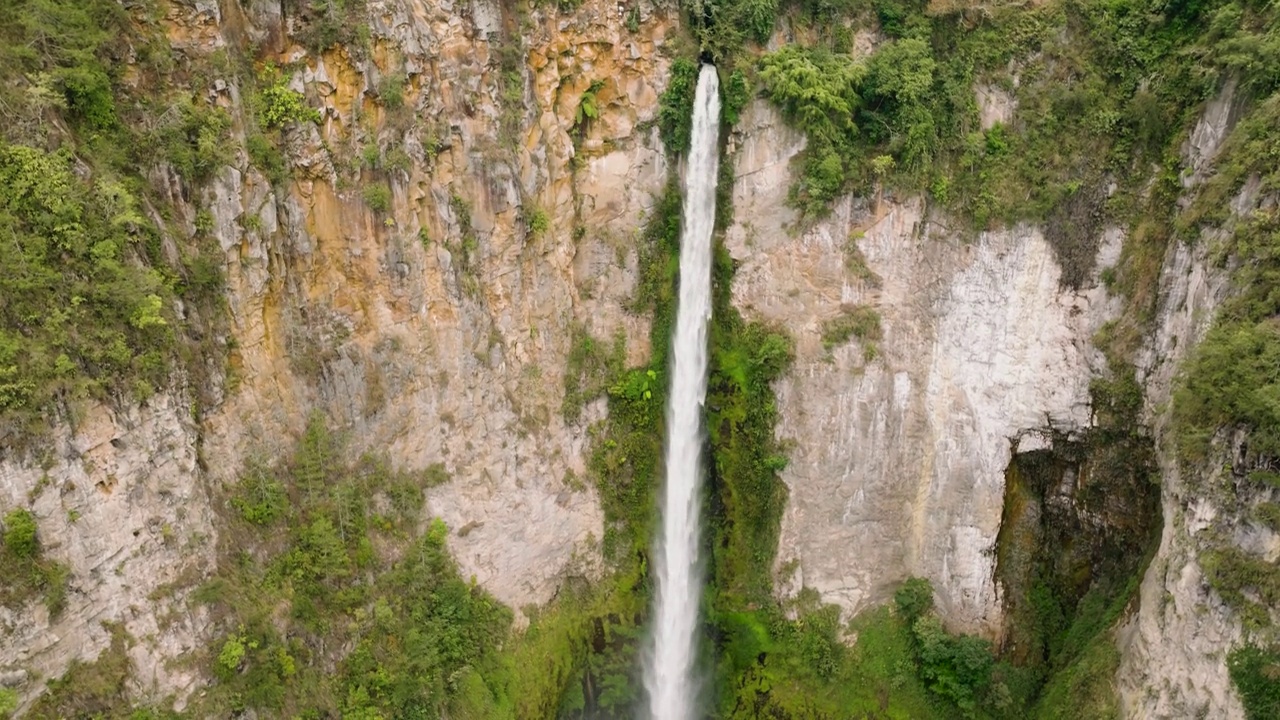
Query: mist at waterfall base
[671, 680]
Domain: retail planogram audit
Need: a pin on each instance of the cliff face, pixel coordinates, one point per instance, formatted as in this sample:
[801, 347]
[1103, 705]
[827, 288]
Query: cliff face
[899, 460]
[901, 442]
[436, 325]
[436, 328]
[1174, 647]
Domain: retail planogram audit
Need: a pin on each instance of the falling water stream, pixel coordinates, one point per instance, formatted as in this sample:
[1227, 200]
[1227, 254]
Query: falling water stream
[669, 671]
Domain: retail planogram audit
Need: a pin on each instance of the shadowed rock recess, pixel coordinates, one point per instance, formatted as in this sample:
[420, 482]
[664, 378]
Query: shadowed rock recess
[336, 338]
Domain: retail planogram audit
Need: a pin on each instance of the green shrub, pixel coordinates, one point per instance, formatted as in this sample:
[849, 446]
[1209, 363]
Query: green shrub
[539, 222]
[378, 197]
[589, 370]
[8, 702]
[913, 599]
[1269, 514]
[1240, 577]
[1232, 379]
[1256, 674]
[588, 106]
[391, 90]
[956, 668]
[77, 315]
[266, 156]
[737, 93]
[436, 475]
[861, 322]
[231, 655]
[20, 534]
[816, 91]
[194, 139]
[323, 24]
[675, 106]
[277, 105]
[89, 96]
[259, 497]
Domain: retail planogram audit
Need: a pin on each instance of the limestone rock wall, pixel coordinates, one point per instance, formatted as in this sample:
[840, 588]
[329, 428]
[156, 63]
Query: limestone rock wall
[1174, 647]
[899, 459]
[436, 330]
[121, 502]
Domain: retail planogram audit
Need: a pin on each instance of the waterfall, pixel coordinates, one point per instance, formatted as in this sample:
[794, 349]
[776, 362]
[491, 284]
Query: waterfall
[669, 673]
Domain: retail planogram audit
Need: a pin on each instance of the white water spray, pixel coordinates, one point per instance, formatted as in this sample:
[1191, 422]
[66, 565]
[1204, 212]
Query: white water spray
[669, 674]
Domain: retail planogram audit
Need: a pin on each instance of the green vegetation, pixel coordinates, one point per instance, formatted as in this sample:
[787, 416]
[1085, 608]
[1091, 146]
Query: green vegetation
[1070, 570]
[79, 315]
[538, 222]
[322, 553]
[277, 104]
[377, 196]
[1231, 380]
[1105, 91]
[86, 309]
[675, 106]
[96, 690]
[737, 93]
[334, 597]
[8, 702]
[861, 322]
[748, 497]
[590, 369]
[1254, 671]
[1247, 583]
[20, 535]
[25, 572]
[588, 107]
[1224, 404]
[322, 24]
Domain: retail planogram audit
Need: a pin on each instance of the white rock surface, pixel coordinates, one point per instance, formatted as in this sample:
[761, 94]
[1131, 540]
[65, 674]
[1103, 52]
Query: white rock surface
[898, 464]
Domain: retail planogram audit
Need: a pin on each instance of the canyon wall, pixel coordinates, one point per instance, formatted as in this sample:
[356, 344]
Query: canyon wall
[435, 330]
[438, 329]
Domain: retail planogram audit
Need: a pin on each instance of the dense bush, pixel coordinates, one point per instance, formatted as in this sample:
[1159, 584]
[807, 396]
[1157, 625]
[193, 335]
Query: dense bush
[737, 93]
[1233, 379]
[277, 104]
[313, 565]
[675, 106]
[79, 312]
[1256, 674]
[20, 534]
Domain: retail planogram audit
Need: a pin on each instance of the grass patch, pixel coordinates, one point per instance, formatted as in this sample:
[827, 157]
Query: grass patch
[861, 322]
[27, 573]
[1256, 674]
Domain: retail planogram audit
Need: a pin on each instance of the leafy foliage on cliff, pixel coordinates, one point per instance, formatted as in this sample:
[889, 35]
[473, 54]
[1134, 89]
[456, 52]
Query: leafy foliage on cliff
[1254, 671]
[87, 309]
[79, 310]
[1232, 380]
[327, 553]
[1103, 92]
[675, 106]
[25, 573]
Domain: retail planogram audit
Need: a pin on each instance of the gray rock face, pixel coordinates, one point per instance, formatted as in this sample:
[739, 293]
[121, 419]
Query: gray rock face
[1174, 648]
[121, 503]
[898, 465]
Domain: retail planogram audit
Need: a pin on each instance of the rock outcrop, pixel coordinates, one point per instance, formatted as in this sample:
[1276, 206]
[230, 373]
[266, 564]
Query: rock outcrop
[900, 451]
